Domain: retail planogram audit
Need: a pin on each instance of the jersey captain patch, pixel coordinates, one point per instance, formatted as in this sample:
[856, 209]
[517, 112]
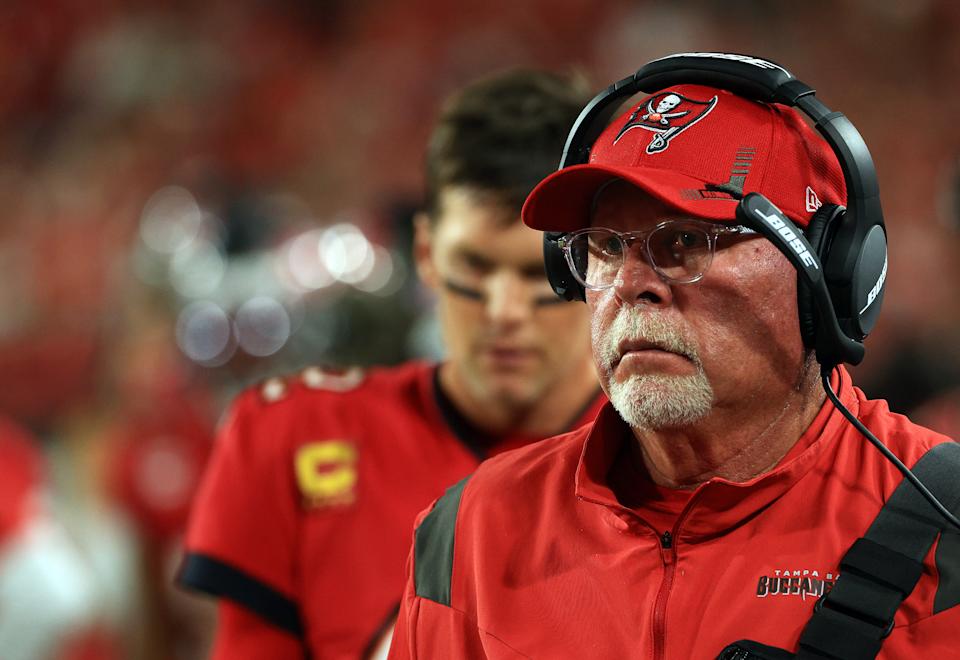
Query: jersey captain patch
[327, 473]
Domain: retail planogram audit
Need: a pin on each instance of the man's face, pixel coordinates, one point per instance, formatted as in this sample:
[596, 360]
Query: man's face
[670, 354]
[508, 337]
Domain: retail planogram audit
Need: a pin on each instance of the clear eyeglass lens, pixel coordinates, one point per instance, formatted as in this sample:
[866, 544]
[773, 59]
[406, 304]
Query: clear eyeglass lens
[680, 252]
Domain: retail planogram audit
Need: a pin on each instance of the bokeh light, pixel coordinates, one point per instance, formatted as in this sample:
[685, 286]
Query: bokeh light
[303, 262]
[262, 326]
[165, 474]
[387, 275]
[197, 269]
[204, 333]
[346, 253]
[171, 220]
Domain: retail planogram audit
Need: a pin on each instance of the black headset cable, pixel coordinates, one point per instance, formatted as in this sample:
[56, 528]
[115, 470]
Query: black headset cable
[890, 456]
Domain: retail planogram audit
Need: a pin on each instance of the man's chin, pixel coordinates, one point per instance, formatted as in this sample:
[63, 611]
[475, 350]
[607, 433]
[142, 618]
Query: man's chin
[659, 401]
[510, 390]
[659, 383]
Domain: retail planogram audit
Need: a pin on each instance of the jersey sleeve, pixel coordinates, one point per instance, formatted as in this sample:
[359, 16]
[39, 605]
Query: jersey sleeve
[243, 635]
[241, 538]
[428, 625]
[428, 629]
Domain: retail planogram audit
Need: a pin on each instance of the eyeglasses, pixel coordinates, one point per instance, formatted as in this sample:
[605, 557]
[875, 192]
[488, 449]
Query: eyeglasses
[680, 251]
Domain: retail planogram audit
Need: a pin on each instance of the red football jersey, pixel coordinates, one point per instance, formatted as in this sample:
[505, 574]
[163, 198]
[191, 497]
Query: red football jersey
[554, 565]
[304, 513]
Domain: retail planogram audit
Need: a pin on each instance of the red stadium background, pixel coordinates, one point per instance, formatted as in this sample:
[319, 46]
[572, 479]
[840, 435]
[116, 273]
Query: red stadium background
[170, 170]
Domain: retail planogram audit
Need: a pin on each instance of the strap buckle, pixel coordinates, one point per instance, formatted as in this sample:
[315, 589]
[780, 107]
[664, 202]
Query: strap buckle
[823, 599]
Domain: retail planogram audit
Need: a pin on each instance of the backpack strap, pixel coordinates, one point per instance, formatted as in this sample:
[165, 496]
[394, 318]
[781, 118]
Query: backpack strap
[881, 569]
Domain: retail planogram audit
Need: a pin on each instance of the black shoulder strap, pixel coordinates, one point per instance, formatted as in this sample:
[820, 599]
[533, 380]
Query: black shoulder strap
[881, 569]
[433, 546]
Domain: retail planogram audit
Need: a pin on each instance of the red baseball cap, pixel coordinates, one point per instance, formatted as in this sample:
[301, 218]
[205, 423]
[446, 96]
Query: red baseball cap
[689, 146]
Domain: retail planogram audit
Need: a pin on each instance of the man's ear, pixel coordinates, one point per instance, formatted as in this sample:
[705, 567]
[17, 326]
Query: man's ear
[423, 228]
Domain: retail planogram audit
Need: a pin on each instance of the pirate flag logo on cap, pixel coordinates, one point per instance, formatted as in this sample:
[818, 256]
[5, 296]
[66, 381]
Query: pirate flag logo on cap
[666, 114]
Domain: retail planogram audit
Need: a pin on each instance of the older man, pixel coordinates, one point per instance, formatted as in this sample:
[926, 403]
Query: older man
[715, 497]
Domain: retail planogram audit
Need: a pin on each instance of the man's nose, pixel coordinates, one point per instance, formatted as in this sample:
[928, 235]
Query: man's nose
[637, 282]
[509, 299]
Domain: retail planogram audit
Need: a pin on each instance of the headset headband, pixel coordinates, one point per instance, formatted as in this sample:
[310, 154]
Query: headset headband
[759, 80]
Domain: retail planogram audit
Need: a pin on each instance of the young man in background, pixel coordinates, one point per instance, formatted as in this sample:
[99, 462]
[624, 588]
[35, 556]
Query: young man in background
[301, 526]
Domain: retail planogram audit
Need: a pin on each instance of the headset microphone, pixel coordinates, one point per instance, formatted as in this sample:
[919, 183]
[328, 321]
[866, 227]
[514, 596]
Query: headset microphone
[758, 213]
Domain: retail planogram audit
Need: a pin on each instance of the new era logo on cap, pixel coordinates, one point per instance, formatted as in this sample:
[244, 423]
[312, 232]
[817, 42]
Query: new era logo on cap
[812, 201]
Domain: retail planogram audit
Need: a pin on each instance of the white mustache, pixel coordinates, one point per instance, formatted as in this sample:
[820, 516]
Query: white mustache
[632, 324]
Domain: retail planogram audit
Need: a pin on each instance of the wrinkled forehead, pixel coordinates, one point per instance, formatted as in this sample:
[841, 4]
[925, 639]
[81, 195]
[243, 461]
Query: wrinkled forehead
[618, 204]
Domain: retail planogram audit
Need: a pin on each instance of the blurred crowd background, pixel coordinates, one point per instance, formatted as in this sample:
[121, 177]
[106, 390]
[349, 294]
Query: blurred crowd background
[196, 195]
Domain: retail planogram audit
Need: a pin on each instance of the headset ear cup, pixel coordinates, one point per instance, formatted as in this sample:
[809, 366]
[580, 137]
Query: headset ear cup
[558, 272]
[817, 233]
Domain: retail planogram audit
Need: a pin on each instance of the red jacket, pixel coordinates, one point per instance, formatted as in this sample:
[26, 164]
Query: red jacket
[547, 563]
[304, 513]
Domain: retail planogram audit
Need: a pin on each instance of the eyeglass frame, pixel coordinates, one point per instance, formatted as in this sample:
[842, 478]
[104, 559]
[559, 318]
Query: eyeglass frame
[713, 231]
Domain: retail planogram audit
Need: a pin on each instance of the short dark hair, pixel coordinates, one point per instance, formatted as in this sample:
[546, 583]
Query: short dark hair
[502, 134]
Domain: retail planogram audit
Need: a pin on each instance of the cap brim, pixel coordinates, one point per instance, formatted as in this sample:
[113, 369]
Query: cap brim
[562, 201]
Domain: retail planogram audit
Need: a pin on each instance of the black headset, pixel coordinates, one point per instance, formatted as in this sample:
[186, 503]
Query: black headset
[841, 258]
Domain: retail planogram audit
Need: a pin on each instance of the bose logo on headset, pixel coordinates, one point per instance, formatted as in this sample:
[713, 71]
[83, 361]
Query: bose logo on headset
[878, 287]
[787, 232]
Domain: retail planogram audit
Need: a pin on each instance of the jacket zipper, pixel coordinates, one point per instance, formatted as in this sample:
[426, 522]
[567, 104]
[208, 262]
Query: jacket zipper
[669, 555]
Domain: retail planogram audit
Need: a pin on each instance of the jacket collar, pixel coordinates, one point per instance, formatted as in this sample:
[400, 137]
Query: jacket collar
[717, 505]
